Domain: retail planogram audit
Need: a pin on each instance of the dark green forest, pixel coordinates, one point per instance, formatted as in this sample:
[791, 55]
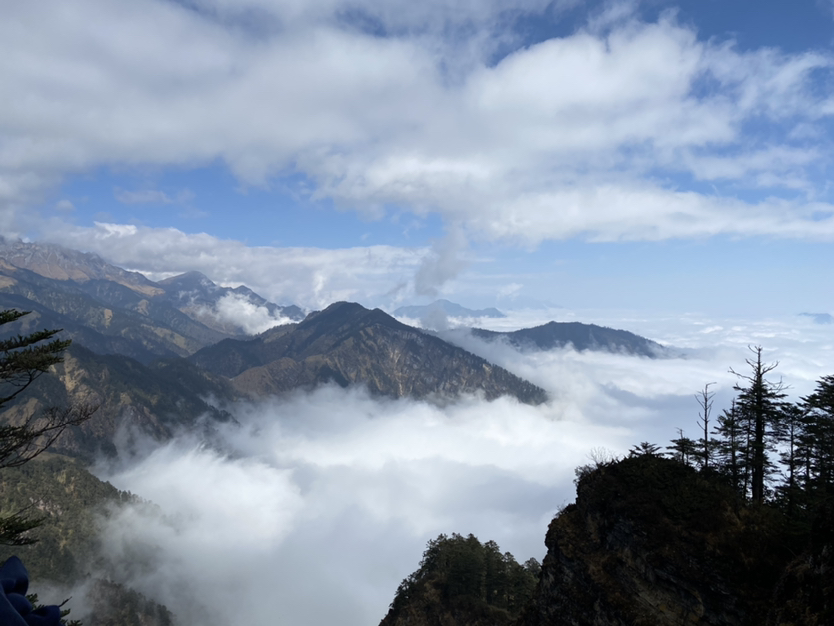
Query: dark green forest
[469, 577]
[769, 450]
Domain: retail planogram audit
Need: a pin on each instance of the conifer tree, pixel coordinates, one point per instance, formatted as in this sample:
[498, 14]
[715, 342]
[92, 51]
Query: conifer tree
[760, 404]
[705, 443]
[790, 434]
[816, 442]
[23, 359]
[732, 450]
[683, 449]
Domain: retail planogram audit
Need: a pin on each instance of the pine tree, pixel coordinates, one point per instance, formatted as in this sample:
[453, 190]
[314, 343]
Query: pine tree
[790, 433]
[732, 449]
[683, 449]
[23, 359]
[816, 442]
[705, 444]
[759, 403]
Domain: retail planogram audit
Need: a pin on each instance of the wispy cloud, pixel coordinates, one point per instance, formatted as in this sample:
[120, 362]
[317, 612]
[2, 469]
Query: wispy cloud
[152, 196]
[142, 197]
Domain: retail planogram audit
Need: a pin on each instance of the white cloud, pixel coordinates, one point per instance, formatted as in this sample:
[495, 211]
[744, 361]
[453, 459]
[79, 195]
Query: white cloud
[335, 493]
[307, 277]
[239, 310]
[418, 118]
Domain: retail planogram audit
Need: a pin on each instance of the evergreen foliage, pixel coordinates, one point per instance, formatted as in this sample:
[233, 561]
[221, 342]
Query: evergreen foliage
[23, 360]
[760, 405]
[465, 571]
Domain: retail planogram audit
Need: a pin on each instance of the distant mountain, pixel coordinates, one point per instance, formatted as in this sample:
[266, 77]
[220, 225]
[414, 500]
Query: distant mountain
[346, 344]
[448, 308]
[193, 293]
[139, 328]
[111, 310]
[63, 264]
[819, 318]
[580, 336]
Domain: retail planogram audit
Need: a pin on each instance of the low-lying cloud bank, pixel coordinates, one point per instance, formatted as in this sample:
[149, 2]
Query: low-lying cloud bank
[315, 508]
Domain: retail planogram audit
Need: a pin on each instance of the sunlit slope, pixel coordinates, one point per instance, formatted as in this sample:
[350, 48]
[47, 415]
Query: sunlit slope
[347, 344]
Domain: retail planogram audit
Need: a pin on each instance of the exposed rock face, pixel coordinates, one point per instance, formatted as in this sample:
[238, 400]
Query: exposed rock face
[651, 542]
[580, 336]
[347, 344]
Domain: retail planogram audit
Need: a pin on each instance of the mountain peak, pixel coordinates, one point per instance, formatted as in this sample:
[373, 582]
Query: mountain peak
[59, 263]
[350, 344]
[194, 278]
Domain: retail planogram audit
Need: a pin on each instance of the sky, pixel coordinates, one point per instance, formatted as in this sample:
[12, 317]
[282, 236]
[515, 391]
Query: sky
[651, 155]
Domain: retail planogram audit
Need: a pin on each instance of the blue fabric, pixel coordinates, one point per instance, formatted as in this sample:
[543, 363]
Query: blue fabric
[20, 603]
[44, 616]
[13, 576]
[15, 609]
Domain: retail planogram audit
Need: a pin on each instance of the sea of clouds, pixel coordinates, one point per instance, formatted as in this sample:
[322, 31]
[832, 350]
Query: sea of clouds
[314, 508]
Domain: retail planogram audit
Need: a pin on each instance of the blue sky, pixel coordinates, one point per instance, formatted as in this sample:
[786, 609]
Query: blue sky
[657, 155]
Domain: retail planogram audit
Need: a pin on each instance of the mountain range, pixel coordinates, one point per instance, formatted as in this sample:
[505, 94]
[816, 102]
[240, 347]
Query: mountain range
[349, 344]
[111, 310]
[156, 356]
[648, 540]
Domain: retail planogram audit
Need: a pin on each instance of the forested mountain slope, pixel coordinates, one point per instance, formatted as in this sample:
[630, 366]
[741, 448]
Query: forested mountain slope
[349, 344]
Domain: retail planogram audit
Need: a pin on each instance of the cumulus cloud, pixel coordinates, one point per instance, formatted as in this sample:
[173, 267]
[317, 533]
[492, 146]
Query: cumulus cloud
[333, 494]
[252, 318]
[382, 104]
[308, 277]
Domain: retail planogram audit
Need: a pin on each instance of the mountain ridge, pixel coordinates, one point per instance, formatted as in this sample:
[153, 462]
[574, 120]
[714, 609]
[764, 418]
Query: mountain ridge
[348, 344]
[580, 336]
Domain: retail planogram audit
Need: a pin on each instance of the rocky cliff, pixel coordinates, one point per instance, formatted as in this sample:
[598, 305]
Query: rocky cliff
[652, 542]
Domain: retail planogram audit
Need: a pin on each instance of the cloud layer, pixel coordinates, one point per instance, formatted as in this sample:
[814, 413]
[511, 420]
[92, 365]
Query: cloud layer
[621, 130]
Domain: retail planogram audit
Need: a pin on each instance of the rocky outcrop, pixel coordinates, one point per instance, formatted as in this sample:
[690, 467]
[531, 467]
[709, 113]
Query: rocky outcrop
[650, 541]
